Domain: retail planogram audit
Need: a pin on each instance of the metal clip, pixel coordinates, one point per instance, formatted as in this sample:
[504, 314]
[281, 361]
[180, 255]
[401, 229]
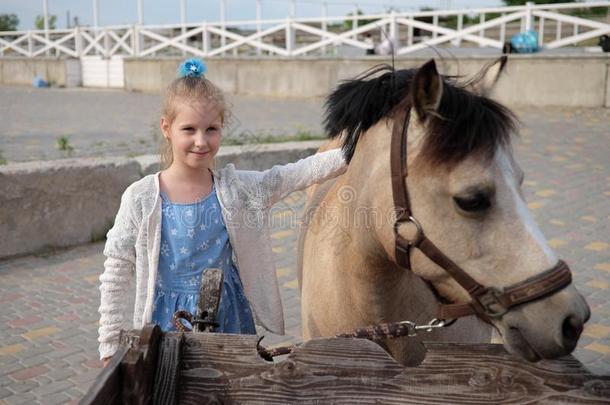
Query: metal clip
[433, 324]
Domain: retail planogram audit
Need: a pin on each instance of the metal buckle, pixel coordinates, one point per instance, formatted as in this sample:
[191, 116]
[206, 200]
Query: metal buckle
[491, 304]
[418, 236]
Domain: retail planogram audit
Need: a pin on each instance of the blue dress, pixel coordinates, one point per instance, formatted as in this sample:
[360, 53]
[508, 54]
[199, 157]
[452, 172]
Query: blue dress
[194, 238]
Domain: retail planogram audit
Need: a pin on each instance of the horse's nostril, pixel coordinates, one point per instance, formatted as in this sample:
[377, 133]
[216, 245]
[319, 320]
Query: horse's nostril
[571, 329]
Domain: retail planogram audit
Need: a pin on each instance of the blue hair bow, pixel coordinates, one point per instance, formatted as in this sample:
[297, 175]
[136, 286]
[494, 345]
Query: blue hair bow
[192, 68]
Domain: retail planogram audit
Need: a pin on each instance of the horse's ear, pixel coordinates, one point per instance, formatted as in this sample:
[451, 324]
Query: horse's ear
[427, 90]
[484, 82]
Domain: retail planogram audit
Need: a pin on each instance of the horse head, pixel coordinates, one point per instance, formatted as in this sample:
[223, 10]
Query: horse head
[465, 191]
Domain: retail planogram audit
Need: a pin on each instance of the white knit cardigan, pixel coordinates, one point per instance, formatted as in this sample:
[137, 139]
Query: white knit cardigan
[132, 246]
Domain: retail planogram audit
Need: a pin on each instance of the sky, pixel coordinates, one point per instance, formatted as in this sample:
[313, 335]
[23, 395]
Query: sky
[118, 12]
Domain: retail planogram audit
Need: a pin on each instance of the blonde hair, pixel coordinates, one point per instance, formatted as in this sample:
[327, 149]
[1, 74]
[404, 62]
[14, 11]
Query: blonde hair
[189, 88]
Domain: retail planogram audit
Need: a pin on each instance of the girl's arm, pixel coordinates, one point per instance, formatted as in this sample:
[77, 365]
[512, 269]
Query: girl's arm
[119, 268]
[281, 180]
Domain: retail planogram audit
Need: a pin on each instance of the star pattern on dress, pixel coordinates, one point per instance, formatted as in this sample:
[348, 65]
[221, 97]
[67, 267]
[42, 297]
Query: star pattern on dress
[174, 231]
[210, 261]
[218, 241]
[169, 212]
[184, 250]
[203, 227]
[165, 249]
[172, 266]
[189, 212]
[192, 281]
[190, 233]
[204, 246]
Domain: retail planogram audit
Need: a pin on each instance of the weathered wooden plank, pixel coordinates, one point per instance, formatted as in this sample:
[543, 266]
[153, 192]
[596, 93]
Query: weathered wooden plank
[138, 367]
[226, 368]
[107, 389]
[209, 299]
[167, 374]
[210, 361]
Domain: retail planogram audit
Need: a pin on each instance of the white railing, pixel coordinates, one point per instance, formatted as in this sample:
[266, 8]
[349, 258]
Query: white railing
[292, 37]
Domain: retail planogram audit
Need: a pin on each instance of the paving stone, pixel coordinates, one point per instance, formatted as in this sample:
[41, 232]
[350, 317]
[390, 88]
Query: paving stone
[63, 353]
[5, 393]
[61, 374]
[52, 388]
[11, 368]
[34, 351]
[85, 377]
[26, 398]
[4, 360]
[58, 398]
[30, 372]
[35, 361]
[43, 380]
[21, 387]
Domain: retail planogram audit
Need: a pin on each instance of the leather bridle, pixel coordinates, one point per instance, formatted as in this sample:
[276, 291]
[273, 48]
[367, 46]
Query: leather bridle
[488, 303]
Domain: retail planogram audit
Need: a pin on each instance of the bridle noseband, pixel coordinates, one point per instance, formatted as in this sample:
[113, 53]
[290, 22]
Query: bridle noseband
[488, 303]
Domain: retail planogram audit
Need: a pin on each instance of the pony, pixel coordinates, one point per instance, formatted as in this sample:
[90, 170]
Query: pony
[464, 187]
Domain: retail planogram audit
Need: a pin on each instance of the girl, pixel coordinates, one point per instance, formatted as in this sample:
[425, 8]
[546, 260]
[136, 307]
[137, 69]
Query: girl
[172, 225]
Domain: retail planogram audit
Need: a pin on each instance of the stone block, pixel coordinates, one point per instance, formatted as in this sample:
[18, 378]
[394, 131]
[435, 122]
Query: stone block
[60, 203]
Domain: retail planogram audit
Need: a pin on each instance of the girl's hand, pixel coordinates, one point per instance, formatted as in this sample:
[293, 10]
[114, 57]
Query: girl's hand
[106, 360]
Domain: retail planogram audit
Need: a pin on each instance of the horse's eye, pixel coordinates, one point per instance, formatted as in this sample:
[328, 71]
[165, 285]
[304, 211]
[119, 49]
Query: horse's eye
[476, 203]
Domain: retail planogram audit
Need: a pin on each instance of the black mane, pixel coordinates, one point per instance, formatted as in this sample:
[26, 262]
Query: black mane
[465, 124]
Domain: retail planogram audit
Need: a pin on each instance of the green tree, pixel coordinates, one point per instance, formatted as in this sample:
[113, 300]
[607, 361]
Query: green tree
[8, 22]
[39, 23]
[349, 23]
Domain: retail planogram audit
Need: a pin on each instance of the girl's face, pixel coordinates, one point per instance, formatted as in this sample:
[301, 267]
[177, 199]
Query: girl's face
[194, 134]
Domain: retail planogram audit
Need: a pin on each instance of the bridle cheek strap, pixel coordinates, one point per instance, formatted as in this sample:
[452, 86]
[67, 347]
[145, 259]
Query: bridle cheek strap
[487, 302]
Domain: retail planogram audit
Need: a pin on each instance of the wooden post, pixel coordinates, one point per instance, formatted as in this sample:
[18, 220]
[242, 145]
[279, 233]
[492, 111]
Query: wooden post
[289, 36]
[460, 26]
[355, 22]
[45, 16]
[259, 15]
[324, 23]
[183, 23]
[223, 39]
[528, 16]
[503, 31]
[95, 23]
[139, 366]
[205, 39]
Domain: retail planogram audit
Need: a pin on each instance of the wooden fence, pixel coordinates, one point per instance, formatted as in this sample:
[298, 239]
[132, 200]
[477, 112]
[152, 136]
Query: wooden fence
[196, 368]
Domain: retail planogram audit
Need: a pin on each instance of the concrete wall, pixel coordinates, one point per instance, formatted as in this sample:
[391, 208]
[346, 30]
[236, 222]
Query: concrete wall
[531, 80]
[61, 203]
[607, 101]
[60, 72]
[537, 80]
